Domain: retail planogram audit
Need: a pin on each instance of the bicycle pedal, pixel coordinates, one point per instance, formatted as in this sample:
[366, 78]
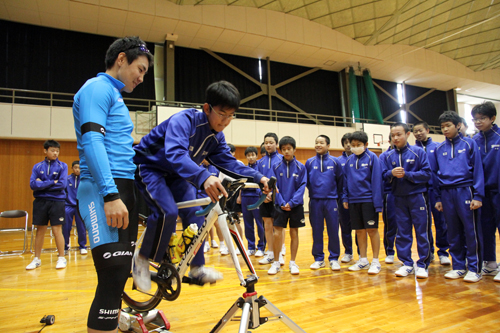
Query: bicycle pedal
[191, 281]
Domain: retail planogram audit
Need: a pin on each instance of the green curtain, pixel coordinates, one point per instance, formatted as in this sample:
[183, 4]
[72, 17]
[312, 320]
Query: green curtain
[353, 95]
[373, 108]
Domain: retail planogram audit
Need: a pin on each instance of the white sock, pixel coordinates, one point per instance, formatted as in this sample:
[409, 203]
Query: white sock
[375, 260]
[221, 243]
[292, 262]
[363, 260]
[270, 254]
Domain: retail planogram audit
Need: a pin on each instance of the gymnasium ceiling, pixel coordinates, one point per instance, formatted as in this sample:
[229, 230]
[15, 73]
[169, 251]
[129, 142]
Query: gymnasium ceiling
[400, 32]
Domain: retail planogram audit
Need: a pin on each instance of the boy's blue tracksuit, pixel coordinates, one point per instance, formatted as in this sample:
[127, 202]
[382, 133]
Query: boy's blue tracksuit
[324, 179]
[291, 181]
[439, 223]
[410, 200]
[489, 146]
[363, 180]
[49, 171]
[168, 160]
[345, 218]
[71, 206]
[459, 179]
[389, 214]
[249, 197]
[265, 164]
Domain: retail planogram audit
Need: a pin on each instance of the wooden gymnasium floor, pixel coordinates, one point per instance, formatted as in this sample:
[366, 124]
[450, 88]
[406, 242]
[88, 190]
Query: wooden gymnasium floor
[319, 301]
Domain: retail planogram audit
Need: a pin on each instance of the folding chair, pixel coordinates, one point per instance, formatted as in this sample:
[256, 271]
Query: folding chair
[17, 214]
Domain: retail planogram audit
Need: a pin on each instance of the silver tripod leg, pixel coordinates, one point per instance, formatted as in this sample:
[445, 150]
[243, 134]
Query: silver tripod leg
[281, 316]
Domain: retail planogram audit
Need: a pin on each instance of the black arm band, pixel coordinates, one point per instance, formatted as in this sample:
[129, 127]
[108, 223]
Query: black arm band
[93, 127]
[112, 197]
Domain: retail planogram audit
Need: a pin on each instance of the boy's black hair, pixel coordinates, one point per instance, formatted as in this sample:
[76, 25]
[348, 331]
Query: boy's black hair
[464, 122]
[287, 140]
[359, 136]
[51, 143]
[75, 163]
[486, 109]
[263, 150]
[327, 139]
[405, 126]
[223, 94]
[345, 137]
[450, 116]
[232, 148]
[423, 123]
[251, 149]
[271, 135]
[133, 47]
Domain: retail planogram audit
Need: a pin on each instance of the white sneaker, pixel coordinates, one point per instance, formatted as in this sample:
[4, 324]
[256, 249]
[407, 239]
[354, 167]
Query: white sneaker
[83, 251]
[294, 269]
[389, 259]
[455, 274]
[259, 253]
[444, 260]
[140, 272]
[206, 247]
[282, 260]
[205, 275]
[214, 244]
[61, 263]
[375, 268]
[250, 252]
[34, 264]
[275, 268]
[405, 271]
[334, 265]
[237, 251]
[224, 250]
[359, 266]
[497, 278]
[283, 249]
[317, 265]
[346, 258]
[266, 260]
[489, 270]
[473, 277]
[421, 273]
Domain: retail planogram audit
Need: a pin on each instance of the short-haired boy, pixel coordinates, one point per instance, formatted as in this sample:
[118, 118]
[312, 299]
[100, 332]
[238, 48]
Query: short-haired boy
[424, 141]
[407, 169]
[488, 142]
[291, 181]
[324, 180]
[71, 206]
[459, 187]
[344, 217]
[362, 195]
[48, 182]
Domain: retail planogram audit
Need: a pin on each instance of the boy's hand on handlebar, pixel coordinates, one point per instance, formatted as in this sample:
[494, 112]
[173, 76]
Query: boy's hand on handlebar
[213, 187]
[266, 188]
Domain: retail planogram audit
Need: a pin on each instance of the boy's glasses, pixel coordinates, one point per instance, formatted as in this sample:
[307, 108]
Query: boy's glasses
[223, 116]
[141, 47]
[479, 120]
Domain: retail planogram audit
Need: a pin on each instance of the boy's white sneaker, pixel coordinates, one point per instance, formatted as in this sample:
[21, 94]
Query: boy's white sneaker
[405, 271]
[34, 264]
[389, 259]
[266, 260]
[497, 278]
[205, 275]
[214, 244]
[444, 260]
[472, 277]
[224, 250]
[334, 265]
[61, 263]
[140, 272]
[259, 253]
[250, 252]
[275, 268]
[489, 270]
[375, 268]
[83, 251]
[455, 274]
[206, 247]
[317, 265]
[346, 258]
[294, 268]
[421, 273]
[359, 266]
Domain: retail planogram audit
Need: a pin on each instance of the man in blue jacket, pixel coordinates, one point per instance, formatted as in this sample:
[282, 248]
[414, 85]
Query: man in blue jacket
[362, 195]
[169, 160]
[459, 186]
[48, 181]
[407, 169]
[488, 142]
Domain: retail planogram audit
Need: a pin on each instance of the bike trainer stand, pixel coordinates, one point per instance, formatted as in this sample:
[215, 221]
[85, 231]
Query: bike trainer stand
[250, 317]
[133, 321]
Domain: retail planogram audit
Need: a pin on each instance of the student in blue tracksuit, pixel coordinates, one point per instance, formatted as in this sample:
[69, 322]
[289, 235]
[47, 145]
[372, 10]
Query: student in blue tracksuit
[264, 166]
[389, 214]
[48, 181]
[71, 190]
[249, 197]
[291, 181]
[362, 195]
[169, 159]
[407, 169]
[324, 182]
[344, 217]
[424, 141]
[106, 199]
[488, 142]
[459, 186]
